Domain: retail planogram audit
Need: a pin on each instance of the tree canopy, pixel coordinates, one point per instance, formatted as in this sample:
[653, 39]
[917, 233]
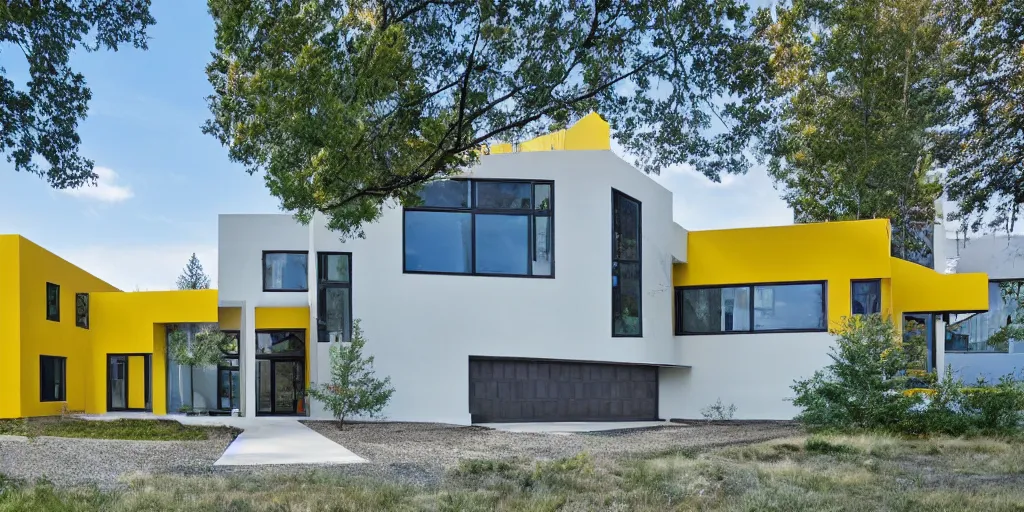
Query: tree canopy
[858, 90]
[193, 277]
[40, 121]
[984, 148]
[346, 105]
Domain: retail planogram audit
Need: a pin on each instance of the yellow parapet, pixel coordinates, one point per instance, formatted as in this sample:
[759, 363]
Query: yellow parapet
[917, 289]
[589, 133]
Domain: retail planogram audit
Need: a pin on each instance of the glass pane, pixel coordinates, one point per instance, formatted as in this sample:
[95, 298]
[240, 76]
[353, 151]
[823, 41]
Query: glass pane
[445, 194]
[337, 268]
[437, 241]
[867, 297]
[118, 391]
[263, 391]
[707, 310]
[625, 298]
[502, 244]
[791, 306]
[224, 386]
[626, 229]
[972, 333]
[503, 194]
[230, 345]
[542, 246]
[290, 385]
[542, 196]
[284, 271]
[234, 389]
[281, 342]
[336, 308]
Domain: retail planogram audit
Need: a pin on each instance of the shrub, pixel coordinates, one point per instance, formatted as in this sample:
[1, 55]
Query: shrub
[718, 412]
[353, 388]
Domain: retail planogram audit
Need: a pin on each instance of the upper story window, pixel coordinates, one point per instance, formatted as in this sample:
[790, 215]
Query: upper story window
[334, 299]
[284, 271]
[866, 297]
[626, 266]
[82, 310]
[783, 307]
[53, 302]
[482, 227]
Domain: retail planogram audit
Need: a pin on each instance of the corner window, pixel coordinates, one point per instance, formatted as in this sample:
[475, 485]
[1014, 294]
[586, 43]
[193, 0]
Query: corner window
[53, 302]
[481, 227]
[783, 307]
[626, 266]
[334, 299]
[284, 271]
[866, 297]
[82, 310]
[52, 372]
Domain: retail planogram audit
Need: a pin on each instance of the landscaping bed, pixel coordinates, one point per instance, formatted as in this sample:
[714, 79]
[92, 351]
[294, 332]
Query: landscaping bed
[128, 429]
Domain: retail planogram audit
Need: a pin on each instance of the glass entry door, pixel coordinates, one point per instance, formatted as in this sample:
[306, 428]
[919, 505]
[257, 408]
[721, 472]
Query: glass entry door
[281, 386]
[128, 386]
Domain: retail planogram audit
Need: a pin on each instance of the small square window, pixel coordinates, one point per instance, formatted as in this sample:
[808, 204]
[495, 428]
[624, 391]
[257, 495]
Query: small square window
[53, 302]
[284, 272]
[82, 310]
[52, 372]
[866, 297]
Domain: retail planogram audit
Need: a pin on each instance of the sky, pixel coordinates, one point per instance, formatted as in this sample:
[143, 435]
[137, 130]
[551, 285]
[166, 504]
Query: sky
[162, 182]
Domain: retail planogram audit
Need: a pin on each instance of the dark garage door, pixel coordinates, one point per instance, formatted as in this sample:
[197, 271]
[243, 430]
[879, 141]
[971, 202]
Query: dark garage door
[512, 390]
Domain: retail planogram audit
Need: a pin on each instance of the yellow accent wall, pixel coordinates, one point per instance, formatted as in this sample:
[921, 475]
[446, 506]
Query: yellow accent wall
[10, 327]
[136, 382]
[40, 336]
[837, 252]
[589, 133]
[286, 318]
[230, 319]
[917, 289]
[134, 323]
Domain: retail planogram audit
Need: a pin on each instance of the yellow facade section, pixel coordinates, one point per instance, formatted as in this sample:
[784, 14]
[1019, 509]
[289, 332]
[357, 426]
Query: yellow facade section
[837, 252]
[62, 338]
[917, 289]
[286, 318]
[136, 382]
[230, 319]
[135, 323]
[10, 327]
[590, 133]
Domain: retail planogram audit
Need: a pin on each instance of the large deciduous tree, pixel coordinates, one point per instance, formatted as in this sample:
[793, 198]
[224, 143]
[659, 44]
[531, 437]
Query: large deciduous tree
[858, 90]
[347, 104]
[39, 122]
[984, 149]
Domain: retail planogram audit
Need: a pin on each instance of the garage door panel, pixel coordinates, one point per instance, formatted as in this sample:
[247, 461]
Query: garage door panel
[537, 390]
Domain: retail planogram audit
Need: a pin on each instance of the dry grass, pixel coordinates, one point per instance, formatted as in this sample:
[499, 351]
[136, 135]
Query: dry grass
[808, 473]
[128, 429]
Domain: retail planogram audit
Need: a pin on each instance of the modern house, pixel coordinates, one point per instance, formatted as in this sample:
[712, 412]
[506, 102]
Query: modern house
[547, 283]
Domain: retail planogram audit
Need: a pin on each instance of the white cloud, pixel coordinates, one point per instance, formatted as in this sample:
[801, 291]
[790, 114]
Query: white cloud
[150, 267]
[739, 201]
[106, 188]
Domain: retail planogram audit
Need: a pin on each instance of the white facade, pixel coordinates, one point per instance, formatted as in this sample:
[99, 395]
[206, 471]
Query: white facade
[423, 328]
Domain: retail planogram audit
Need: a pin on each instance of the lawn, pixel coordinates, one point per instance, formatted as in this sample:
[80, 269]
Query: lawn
[807, 473]
[136, 430]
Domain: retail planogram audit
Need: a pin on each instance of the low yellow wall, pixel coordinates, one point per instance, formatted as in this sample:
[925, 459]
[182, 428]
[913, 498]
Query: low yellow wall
[133, 323]
[837, 252]
[10, 327]
[589, 133]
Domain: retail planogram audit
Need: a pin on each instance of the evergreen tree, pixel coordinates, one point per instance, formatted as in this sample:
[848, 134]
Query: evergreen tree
[193, 277]
[353, 388]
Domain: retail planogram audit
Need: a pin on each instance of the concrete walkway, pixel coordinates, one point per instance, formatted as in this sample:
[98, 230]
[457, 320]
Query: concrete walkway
[283, 441]
[270, 440]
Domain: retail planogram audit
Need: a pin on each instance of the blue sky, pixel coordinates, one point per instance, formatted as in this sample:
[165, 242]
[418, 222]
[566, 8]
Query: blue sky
[163, 182]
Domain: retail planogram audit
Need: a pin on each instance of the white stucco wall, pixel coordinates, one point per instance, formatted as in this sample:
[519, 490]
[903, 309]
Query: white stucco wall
[423, 328]
[754, 372]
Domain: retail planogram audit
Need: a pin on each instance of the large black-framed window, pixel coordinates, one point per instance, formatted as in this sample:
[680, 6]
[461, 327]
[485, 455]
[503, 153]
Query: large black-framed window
[82, 310]
[748, 308]
[285, 271]
[866, 296]
[52, 378]
[53, 302]
[627, 270]
[334, 296]
[228, 389]
[481, 227]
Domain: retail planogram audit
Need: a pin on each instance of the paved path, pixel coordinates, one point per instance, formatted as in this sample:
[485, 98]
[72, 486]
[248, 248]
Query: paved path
[264, 440]
[283, 442]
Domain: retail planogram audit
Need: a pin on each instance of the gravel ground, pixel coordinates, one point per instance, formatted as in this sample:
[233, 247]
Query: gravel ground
[106, 462]
[411, 453]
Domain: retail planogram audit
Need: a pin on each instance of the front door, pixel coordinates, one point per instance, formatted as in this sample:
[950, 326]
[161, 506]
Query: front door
[128, 386]
[281, 385]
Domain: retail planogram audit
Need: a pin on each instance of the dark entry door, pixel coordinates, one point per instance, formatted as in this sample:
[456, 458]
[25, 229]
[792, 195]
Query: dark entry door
[512, 390]
[281, 386]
